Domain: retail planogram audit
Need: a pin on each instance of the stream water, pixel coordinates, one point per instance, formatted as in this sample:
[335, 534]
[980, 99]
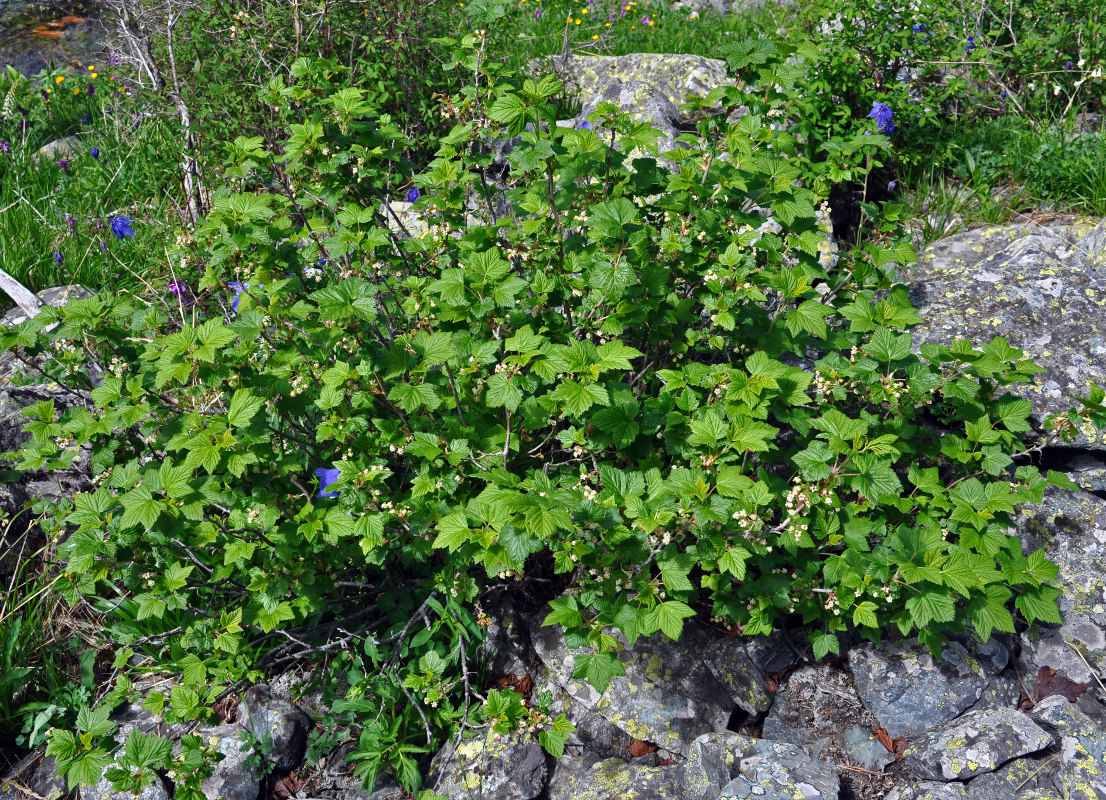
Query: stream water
[34, 33]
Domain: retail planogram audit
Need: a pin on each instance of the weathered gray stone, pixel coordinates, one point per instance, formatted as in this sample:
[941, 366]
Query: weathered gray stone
[506, 648]
[1001, 691]
[771, 653]
[103, 790]
[580, 779]
[974, 743]
[929, 790]
[46, 783]
[233, 778]
[866, 750]
[815, 702]
[1082, 772]
[269, 718]
[595, 736]
[729, 765]
[1071, 527]
[668, 696]
[644, 102]
[491, 767]
[66, 146]
[1029, 778]
[35, 484]
[729, 662]
[1041, 287]
[910, 691]
[676, 77]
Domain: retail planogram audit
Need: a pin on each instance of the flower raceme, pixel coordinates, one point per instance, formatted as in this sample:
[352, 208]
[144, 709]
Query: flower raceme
[238, 288]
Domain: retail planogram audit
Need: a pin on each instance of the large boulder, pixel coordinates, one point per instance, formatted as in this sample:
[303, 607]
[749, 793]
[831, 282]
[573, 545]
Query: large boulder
[676, 78]
[1071, 527]
[272, 719]
[672, 692]
[975, 743]
[818, 708]
[729, 765]
[644, 102]
[1041, 287]
[1082, 772]
[235, 777]
[909, 691]
[491, 767]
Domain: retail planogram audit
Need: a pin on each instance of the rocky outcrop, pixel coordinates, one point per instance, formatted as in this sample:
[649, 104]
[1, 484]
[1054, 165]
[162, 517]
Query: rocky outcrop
[673, 78]
[1040, 287]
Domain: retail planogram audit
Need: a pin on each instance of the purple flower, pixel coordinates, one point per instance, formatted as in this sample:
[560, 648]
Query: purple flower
[537, 14]
[1003, 95]
[103, 248]
[70, 221]
[623, 13]
[86, 118]
[178, 288]
[64, 164]
[95, 152]
[91, 90]
[5, 147]
[1067, 66]
[238, 289]
[970, 45]
[326, 478]
[59, 257]
[121, 226]
[46, 95]
[584, 126]
[920, 27]
[412, 194]
[645, 20]
[891, 185]
[883, 115]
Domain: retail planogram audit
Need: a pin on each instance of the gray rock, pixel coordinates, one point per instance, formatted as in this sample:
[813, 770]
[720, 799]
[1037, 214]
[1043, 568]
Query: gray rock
[34, 484]
[866, 750]
[269, 718]
[731, 765]
[1002, 691]
[975, 743]
[668, 695]
[1022, 779]
[771, 653]
[815, 703]
[1071, 527]
[580, 779]
[104, 791]
[1041, 287]
[595, 736]
[644, 102]
[910, 692]
[929, 790]
[46, 783]
[490, 767]
[58, 148]
[233, 778]
[1082, 774]
[729, 662]
[506, 648]
[1086, 468]
[674, 77]
[302, 691]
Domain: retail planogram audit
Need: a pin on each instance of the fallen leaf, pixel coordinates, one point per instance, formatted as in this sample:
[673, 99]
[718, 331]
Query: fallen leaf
[884, 738]
[1050, 682]
[637, 748]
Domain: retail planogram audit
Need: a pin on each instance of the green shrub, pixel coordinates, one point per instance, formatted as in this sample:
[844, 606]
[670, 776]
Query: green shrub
[664, 386]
